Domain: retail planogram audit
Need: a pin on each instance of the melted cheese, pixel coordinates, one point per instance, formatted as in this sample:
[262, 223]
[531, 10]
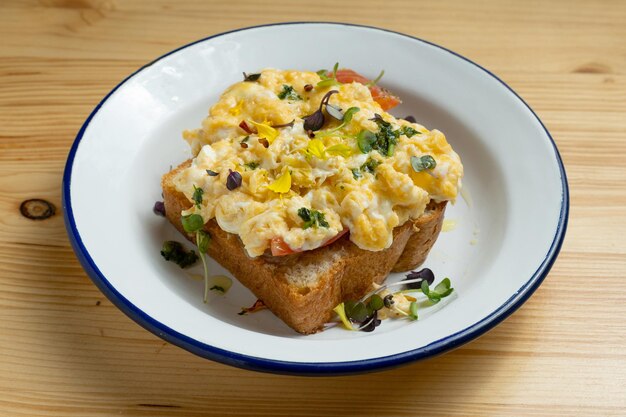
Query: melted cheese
[370, 206]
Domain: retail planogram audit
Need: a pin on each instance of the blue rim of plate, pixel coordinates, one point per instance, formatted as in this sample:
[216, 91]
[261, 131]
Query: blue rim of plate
[310, 368]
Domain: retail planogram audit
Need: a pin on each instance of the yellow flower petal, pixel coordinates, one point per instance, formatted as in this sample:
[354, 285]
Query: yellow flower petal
[339, 150]
[265, 131]
[316, 148]
[282, 184]
[341, 312]
[236, 111]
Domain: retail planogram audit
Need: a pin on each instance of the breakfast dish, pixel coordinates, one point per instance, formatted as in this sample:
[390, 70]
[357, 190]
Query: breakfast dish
[309, 192]
[498, 254]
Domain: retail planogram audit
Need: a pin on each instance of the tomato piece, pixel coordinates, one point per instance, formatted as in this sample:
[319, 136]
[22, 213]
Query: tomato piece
[386, 99]
[336, 237]
[280, 248]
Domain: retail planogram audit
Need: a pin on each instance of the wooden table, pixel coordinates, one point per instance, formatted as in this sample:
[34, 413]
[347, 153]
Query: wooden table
[65, 350]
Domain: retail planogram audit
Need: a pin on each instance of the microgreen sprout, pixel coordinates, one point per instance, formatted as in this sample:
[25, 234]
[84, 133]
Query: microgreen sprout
[423, 163]
[440, 291]
[364, 312]
[316, 120]
[375, 80]
[424, 274]
[334, 112]
[203, 239]
[194, 223]
[326, 80]
[345, 119]
[251, 77]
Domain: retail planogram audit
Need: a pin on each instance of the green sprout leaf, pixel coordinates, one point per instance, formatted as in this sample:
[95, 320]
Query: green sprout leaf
[192, 222]
[441, 290]
[375, 80]
[356, 311]
[328, 81]
[375, 303]
[366, 139]
[203, 239]
[413, 310]
[423, 163]
[356, 173]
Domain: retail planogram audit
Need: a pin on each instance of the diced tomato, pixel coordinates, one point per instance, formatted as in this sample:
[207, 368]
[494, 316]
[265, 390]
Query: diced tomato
[383, 97]
[280, 248]
[336, 237]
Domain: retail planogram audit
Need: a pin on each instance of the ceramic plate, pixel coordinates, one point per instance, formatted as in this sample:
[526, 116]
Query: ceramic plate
[508, 228]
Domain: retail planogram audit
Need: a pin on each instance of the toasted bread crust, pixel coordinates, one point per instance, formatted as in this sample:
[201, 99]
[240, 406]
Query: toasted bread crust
[342, 271]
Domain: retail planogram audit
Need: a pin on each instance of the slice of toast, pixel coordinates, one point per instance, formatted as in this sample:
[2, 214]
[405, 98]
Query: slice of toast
[303, 288]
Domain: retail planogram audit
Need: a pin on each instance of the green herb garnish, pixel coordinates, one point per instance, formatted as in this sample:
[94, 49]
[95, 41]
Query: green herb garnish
[440, 291]
[326, 80]
[409, 132]
[370, 166]
[423, 163]
[366, 140]
[356, 173]
[203, 239]
[288, 93]
[312, 218]
[252, 165]
[197, 196]
[384, 141]
[413, 310]
[192, 222]
[375, 80]
[315, 121]
[364, 312]
[176, 252]
[386, 138]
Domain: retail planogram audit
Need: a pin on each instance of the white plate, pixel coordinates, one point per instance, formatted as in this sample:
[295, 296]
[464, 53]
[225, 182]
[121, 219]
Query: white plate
[503, 246]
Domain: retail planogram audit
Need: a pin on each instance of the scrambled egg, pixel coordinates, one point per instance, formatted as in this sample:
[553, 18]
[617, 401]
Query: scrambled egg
[368, 193]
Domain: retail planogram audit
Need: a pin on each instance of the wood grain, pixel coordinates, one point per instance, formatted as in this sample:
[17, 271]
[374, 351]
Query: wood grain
[66, 351]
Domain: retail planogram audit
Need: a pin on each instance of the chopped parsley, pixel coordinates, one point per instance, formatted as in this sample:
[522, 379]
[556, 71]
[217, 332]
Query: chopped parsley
[409, 132]
[288, 93]
[197, 196]
[386, 138]
[370, 166]
[384, 141]
[176, 252]
[252, 165]
[312, 218]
